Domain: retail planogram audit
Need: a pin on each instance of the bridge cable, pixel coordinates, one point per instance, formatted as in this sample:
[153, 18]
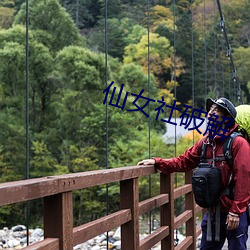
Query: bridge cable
[27, 204]
[222, 68]
[175, 96]
[174, 74]
[77, 13]
[229, 83]
[107, 120]
[215, 52]
[229, 54]
[205, 49]
[192, 71]
[149, 123]
[220, 65]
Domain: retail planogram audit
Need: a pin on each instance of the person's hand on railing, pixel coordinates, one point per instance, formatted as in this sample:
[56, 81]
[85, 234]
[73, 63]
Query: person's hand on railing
[146, 162]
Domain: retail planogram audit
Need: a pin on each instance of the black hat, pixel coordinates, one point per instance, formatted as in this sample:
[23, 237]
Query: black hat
[223, 103]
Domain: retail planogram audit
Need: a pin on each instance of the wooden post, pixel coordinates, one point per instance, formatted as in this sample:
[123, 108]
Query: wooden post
[167, 210]
[190, 205]
[58, 219]
[129, 198]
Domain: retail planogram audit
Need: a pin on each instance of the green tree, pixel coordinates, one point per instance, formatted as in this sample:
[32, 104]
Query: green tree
[42, 163]
[161, 16]
[161, 58]
[12, 108]
[53, 25]
[237, 20]
[84, 13]
[13, 148]
[6, 17]
[241, 56]
[117, 32]
[77, 73]
[40, 60]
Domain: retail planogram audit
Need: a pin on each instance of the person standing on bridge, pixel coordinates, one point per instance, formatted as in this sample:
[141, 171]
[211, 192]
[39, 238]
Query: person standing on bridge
[233, 210]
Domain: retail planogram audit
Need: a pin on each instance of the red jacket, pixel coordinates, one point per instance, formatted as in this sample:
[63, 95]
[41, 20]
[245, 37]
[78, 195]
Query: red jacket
[241, 168]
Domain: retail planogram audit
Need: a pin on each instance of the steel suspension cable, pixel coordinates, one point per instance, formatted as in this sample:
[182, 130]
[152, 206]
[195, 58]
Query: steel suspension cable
[149, 123]
[27, 207]
[192, 73]
[175, 95]
[215, 52]
[222, 71]
[222, 68]
[229, 83]
[107, 120]
[77, 13]
[174, 74]
[205, 49]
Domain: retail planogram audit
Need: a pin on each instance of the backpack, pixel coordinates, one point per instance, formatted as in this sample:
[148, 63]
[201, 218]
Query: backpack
[243, 119]
[206, 179]
[206, 183]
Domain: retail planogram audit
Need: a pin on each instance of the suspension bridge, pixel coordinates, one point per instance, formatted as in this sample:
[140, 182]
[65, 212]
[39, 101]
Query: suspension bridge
[56, 192]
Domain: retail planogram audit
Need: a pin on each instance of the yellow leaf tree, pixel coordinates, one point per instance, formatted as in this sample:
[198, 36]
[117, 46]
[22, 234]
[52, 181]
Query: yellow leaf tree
[161, 61]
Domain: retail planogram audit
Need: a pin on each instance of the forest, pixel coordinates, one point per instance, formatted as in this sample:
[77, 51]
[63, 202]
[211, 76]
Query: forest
[55, 68]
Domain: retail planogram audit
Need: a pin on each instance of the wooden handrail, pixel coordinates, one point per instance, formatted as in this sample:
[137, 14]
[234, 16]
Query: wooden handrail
[24, 190]
[58, 208]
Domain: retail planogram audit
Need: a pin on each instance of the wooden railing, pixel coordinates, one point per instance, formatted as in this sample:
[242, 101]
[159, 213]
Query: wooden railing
[59, 232]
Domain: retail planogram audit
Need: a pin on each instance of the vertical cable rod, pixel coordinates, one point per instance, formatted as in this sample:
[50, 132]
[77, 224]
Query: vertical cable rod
[77, 13]
[107, 121]
[215, 52]
[205, 50]
[175, 95]
[192, 76]
[229, 84]
[149, 123]
[174, 73]
[27, 207]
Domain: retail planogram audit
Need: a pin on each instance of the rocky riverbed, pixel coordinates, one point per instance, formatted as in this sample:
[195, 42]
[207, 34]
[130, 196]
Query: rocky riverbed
[16, 238]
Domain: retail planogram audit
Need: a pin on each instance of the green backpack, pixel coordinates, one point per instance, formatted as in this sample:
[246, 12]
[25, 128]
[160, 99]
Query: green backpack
[243, 119]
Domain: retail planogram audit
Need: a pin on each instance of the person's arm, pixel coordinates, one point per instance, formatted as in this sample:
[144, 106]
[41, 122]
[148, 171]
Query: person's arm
[185, 162]
[241, 175]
